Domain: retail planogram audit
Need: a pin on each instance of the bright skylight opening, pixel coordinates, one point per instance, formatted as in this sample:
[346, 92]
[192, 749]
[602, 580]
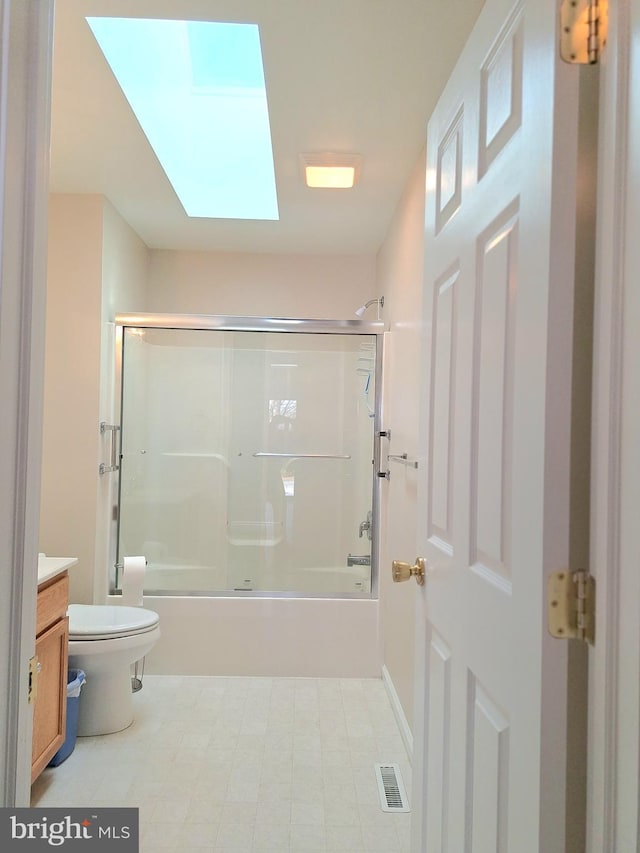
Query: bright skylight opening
[198, 92]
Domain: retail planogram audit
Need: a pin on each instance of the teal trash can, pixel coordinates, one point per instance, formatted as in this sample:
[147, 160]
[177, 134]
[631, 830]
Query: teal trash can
[75, 680]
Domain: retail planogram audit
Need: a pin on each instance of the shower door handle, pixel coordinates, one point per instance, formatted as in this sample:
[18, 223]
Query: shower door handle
[377, 459]
[113, 429]
[404, 571]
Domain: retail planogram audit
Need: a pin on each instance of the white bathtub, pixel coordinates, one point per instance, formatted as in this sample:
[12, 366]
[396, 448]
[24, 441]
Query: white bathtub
[267, 635]
[264, 636]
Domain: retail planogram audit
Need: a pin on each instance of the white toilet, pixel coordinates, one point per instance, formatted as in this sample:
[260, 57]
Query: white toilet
[104, 641]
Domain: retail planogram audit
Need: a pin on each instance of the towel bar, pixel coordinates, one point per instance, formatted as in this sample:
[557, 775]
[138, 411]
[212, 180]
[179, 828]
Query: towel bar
[403, 459]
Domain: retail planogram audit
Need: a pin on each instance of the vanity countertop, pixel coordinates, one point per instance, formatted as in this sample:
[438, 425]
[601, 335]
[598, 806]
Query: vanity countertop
[49, 567]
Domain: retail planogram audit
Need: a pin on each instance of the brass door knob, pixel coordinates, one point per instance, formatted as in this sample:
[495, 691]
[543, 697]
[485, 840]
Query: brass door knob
[403, 571]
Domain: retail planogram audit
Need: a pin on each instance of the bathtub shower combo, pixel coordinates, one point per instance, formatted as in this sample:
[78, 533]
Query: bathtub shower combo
[249, 455]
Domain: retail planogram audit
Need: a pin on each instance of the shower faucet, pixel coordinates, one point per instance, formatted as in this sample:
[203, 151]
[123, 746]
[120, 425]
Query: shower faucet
[366, 525]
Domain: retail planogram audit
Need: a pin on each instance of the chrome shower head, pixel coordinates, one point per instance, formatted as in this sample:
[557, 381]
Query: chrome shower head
[380, 302]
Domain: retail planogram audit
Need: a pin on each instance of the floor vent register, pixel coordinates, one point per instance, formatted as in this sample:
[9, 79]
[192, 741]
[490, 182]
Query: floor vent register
[393, 794]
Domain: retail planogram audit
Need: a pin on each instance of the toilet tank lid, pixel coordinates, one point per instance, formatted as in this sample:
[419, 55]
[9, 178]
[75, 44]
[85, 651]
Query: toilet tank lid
[88, 619]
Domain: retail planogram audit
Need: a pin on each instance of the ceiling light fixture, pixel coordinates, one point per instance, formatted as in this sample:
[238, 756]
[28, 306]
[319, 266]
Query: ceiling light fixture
[331, 171]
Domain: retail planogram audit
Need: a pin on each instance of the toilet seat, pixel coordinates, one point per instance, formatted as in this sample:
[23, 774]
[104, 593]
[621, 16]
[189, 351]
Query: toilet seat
[108, 621]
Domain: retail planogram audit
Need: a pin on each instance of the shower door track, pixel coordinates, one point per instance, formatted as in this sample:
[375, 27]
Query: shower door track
[230, 323]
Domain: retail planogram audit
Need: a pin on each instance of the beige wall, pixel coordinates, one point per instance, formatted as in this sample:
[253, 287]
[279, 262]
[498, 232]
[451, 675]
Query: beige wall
[72, 385]
[400, 269]
[312, 286]
[125, 268]
[94, 258]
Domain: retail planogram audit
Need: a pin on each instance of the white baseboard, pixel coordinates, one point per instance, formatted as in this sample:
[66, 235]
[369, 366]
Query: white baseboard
[398, 711]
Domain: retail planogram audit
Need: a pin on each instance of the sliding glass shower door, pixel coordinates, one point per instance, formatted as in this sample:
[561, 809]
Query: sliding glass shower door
[246, 460]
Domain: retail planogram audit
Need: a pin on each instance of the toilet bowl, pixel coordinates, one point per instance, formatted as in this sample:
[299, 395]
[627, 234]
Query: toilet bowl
[104, 641]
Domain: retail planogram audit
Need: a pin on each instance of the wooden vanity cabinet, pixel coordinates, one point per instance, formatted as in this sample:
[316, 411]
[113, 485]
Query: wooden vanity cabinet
[52, 639]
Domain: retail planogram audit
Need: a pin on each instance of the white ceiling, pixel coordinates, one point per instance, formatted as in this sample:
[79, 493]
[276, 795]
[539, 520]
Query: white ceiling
[359, 76]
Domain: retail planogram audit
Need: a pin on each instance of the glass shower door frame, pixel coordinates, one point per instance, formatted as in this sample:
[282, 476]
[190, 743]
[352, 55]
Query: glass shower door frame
[258, 324]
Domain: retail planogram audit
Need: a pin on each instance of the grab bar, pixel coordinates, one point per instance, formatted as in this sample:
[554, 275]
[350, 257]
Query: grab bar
[303, 455]
[403, 459]
[113, 429]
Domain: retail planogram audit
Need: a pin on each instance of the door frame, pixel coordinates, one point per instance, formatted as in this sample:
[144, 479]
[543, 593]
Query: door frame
[25, 99]
[26, 37]
[614, 696]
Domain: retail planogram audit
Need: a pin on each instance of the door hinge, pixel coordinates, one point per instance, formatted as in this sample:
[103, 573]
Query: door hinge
[34, 670]
[583, 30]
[572, 606]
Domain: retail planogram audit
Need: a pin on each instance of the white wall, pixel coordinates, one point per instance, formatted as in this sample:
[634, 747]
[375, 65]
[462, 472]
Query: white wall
[312, 286]
[400, 269]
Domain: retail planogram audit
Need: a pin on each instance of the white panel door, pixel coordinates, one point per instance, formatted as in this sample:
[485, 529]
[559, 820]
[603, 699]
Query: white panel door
[500, 217]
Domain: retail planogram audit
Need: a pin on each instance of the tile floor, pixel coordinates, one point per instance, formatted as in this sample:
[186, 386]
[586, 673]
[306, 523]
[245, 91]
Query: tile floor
[245, 764]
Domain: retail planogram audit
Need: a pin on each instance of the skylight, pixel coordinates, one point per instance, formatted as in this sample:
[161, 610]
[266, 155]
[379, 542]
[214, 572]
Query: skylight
[198, 92]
